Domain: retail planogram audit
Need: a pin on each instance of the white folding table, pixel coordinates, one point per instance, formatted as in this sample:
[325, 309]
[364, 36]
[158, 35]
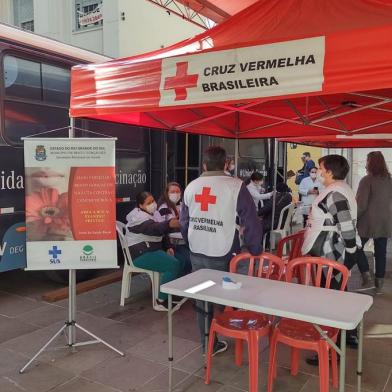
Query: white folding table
[333, 308]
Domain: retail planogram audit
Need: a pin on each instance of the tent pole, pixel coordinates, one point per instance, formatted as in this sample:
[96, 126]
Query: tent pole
[236, 155]
[186, 159]
[274, 189]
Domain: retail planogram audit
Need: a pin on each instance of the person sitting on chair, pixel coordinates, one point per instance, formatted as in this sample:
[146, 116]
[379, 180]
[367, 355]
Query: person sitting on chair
[146, 240]
[283, 199]
[169, 207]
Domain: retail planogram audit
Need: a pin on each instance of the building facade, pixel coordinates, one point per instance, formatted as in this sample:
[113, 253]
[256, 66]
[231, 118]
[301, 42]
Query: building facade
[115, 28]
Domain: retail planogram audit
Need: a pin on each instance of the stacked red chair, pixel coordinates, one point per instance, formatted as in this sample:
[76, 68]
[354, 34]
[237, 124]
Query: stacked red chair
[302, 335]
[246, 325]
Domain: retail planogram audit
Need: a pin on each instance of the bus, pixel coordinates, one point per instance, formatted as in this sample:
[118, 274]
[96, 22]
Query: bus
[34, 99]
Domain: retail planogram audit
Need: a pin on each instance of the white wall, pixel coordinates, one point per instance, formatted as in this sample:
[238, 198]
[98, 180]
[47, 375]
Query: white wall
[148, 27]
[6, 12]
[358, 161]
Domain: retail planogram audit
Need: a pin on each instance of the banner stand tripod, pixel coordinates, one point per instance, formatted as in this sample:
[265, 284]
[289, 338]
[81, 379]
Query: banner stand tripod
[70, 326]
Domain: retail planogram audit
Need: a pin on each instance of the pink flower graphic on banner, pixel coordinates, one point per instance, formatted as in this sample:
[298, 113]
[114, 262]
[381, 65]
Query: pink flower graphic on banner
[47, 214]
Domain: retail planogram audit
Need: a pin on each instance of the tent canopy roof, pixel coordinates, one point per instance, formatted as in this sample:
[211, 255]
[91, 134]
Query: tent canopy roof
[343, 141]
[298, 67]
[217, 10]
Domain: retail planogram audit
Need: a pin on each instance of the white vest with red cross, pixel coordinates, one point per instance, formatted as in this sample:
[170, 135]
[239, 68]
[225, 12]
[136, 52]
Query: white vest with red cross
[212, 205]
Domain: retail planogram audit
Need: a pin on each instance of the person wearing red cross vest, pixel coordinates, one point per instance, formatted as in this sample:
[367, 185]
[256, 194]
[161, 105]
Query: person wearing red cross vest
[214, 206]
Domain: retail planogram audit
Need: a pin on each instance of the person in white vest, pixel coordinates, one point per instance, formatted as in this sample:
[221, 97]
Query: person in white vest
[309, 188]
[214, 207]
[331, 229]
[146, 238]
[256, 190]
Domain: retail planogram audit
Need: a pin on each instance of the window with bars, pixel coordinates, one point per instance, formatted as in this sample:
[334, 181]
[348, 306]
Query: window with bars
[28, 25]
[24, 14]
[88, 14]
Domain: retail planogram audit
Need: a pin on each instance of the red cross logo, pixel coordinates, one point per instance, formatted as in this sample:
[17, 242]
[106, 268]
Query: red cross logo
[181, 81]
[205, 198]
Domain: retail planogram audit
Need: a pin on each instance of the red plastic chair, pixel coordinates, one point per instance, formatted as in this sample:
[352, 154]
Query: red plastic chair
[246, 325]
[302, 335]
[294, 243]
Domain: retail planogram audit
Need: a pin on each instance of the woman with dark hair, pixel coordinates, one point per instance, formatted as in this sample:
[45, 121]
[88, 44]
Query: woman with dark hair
[169, 207]
[146, 241]
[374, 198]
[255, 188]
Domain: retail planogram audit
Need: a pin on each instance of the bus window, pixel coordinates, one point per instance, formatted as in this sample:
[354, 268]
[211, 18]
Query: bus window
[130, 137]
[252, 148]
[55, 84]
[22, 78]
[26, 119]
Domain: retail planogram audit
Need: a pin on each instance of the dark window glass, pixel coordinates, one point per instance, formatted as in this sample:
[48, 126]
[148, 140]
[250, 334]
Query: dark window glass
[23, 119]
[193, 150]
[56, 84]
[254, 148]
[22, 78]
[129, 137]
[180, 150]
[227, 144]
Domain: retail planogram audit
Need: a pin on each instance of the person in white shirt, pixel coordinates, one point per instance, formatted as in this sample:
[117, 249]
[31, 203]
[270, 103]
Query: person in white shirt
[255, 188]
[309, 189]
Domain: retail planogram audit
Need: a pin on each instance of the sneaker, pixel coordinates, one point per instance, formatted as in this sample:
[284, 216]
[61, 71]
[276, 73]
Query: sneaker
[379, 283]
[367, 283]
[313, 360]
[161, 305]
[220, 347]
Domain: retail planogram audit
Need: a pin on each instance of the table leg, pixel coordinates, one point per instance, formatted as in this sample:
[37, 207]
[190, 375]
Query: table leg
[170, 332]
[206, 331]
[342, 372]
[360, 352]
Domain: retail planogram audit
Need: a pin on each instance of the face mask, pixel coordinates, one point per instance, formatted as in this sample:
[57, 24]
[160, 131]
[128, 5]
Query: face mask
[313, 175]
[151, 208]
[231, 167]
[257, 185]
[321, 179]
[174, 197]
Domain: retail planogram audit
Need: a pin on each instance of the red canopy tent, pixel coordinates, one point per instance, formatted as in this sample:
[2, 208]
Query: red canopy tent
[343, 141]
[292, 68]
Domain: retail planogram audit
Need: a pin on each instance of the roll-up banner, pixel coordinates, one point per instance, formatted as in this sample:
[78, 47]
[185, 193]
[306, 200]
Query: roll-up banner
[70, 203]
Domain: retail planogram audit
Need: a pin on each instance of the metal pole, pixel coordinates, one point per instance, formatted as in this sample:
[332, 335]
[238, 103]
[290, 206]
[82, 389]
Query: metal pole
[360, 352]
[72, 275]
[186, 159]
[71, 130]
[236, 156]
[274, 189]
[206, 331]
[342, 370]
[71, 307]
[170, 331]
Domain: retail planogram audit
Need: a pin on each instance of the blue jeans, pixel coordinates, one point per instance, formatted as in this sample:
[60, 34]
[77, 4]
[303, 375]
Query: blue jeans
[182, 252]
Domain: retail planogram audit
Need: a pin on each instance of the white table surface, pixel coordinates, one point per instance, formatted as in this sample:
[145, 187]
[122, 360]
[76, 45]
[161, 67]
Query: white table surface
[327, 307]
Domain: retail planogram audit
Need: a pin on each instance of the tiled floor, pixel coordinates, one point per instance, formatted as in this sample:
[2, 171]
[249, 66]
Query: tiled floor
[26, 322]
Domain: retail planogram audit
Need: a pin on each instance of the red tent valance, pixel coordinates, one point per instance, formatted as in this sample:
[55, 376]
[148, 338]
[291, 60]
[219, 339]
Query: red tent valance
[292, 68]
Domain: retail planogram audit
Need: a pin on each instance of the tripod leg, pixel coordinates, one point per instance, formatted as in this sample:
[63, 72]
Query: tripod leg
[43, 348]
[99, 339]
